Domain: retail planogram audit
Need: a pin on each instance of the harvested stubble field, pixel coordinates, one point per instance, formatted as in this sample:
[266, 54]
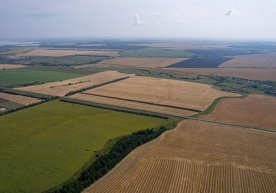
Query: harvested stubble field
[142, 62]
[197, 157]
[45, 145]
[252, 61]
[132, 105]
[10, 66]
[23, 100]
[256, 110]
[63, 87]
[60, 53]
[143, 91]
[246, 73]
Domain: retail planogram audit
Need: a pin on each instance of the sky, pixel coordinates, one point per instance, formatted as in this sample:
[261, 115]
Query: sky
[208, 19]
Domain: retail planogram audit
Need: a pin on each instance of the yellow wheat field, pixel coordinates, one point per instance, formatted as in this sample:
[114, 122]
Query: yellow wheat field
[19, 99]
[63, 87]
[197, 157]
[240, 110]
[132, 105]
[163, 92]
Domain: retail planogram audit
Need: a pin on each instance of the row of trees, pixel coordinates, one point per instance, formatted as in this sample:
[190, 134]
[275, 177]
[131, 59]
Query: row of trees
[106, 162]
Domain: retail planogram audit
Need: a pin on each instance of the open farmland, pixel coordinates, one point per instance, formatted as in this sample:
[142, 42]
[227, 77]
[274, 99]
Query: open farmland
[25, 76]
[133, 105]
[45, 145]
[256, 110]
[197, 157]
[142, 62]
[14, 51]
[148, 52]
[246, 73]
[6, 105]
[60, 53]
[10, 66]
[178, 45]
[64, 87]
[23, 100]
[144, 92]
[252, 61]
[200, 62]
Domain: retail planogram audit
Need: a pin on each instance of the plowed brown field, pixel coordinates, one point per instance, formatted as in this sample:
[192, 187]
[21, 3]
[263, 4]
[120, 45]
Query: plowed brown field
[258, 110]
[197, 157]
[251, 61]
[142, 62]
[63, 87]
[161, 92]
[247, 73]
[19, 99]
[10, 66]
[59, 53]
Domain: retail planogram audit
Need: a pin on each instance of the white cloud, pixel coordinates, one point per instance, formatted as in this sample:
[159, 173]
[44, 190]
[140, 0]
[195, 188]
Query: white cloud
[137, 20]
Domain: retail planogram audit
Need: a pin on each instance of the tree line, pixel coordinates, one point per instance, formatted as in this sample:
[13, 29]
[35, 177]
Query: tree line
[106, 162]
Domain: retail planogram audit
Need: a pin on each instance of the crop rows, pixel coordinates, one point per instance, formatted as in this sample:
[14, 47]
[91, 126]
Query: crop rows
[176, 175]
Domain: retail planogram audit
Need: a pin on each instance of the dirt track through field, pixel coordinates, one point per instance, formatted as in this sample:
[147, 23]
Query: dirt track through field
[197, 157]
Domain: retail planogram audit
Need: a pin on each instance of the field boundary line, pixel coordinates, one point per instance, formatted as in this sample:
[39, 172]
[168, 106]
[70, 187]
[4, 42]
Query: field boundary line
[28, 93]
[144, 102]
[232, 124]
[96, 86]
[117, 108]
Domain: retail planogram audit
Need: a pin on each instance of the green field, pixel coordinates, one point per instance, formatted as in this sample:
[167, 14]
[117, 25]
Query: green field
[166, 53]
[21, 76]
[55, 61]
[43, 146]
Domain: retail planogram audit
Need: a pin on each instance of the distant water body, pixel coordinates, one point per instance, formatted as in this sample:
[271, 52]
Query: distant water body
[18, 43]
